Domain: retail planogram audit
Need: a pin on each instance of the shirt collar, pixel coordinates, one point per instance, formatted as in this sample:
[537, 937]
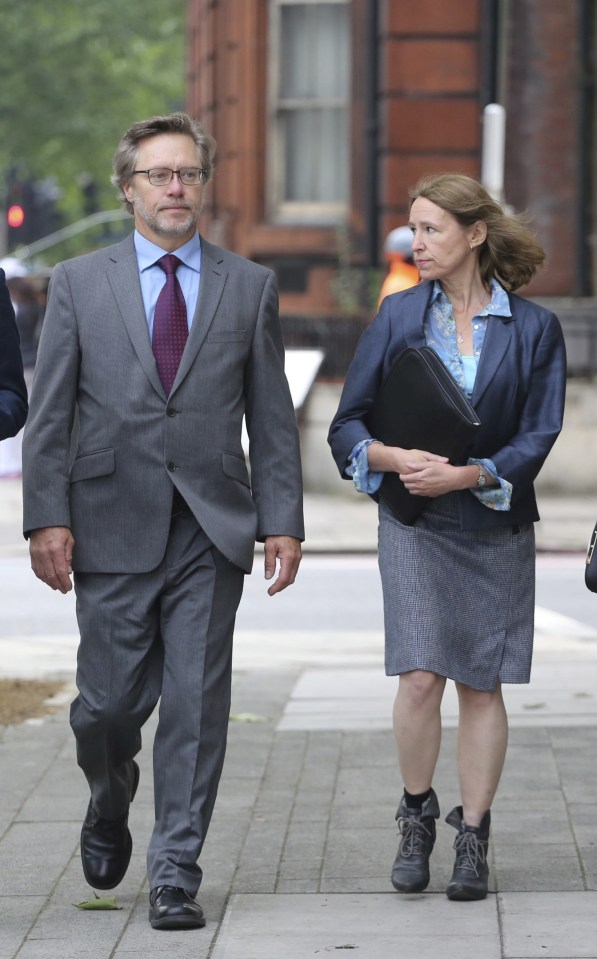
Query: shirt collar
[499, 306]
[148, 253]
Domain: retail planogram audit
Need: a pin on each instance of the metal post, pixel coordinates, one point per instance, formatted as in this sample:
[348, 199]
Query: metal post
[493, 150]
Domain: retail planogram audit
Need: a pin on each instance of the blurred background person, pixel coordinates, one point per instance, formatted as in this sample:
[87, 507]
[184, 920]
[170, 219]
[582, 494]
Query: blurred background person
[25, 302]
[402, 274]
[13, 393]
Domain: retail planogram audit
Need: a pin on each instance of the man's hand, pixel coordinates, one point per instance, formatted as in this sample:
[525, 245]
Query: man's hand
[286, 549]
[51, 551]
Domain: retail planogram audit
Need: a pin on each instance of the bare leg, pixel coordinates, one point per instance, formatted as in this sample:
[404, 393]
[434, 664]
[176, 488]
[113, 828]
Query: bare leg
[417, 727]
[482, 742]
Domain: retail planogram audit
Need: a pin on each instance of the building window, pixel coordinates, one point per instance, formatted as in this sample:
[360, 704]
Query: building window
[309, 80]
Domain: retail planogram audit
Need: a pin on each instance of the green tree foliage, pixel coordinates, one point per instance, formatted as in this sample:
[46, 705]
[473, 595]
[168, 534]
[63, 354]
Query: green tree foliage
[74, 75]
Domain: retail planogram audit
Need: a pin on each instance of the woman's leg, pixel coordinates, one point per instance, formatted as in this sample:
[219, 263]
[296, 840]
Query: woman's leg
[482, 742]
[417, 727]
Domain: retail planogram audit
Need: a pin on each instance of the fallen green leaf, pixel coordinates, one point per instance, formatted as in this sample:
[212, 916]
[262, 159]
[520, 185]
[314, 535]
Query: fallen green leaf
[100, 902]
[246, 718]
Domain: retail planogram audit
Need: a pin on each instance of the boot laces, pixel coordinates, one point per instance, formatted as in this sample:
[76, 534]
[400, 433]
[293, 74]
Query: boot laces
[470, 852]
[415, 836]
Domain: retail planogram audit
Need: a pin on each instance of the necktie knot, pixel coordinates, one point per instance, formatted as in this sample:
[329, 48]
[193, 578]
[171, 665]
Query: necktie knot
[169, 263]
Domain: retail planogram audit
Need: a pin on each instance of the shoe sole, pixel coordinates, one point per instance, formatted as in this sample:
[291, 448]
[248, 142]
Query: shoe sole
[403, 888]
[93, 880]
[176, 922]
[462, 893]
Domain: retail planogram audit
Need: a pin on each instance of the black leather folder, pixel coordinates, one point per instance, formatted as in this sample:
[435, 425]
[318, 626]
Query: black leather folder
[420, 406]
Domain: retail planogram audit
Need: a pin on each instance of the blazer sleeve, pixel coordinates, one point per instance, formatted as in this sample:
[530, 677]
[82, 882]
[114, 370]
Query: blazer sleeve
[276, 476]
[13, 392]
[47, 437]
[362, 382]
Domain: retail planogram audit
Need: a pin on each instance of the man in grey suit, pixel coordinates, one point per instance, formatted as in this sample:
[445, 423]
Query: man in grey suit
[135, 481]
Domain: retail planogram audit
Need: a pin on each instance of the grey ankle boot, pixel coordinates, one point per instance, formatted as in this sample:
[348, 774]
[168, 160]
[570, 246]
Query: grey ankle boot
[410, 872]
[471, 872]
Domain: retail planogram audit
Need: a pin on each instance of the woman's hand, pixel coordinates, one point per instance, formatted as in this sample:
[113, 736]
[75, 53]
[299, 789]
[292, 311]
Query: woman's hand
[393, 459]
[434, 478]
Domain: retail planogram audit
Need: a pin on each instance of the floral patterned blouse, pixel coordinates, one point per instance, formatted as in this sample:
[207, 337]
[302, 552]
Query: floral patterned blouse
[440, 334]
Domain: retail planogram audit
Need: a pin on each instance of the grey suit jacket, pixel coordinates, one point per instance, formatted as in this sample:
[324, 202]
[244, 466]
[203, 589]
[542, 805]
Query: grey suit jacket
[112, 483]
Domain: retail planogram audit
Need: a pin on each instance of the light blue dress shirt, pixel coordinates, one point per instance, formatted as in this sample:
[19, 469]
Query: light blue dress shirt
[153, 277]
[440, 334]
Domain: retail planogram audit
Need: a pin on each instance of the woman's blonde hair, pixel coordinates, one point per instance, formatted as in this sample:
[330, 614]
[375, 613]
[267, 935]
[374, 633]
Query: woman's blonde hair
[510, 251]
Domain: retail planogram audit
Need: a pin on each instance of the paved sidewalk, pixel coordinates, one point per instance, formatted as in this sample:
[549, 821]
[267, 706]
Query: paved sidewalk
[298, 856]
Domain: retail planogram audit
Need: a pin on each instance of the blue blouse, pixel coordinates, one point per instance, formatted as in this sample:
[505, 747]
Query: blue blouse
[440, 334]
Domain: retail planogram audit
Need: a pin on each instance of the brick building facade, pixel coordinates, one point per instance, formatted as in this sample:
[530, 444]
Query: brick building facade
[326, 112]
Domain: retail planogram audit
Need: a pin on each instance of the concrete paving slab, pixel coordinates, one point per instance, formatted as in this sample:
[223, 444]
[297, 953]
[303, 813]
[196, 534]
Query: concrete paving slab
[539, 867]
[33, 856]
[18, 915]
[372, 926]
[550, 925]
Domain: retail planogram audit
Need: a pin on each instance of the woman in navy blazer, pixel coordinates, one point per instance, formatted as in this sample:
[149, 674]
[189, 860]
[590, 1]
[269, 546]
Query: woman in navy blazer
[13, 392]
[458, 584]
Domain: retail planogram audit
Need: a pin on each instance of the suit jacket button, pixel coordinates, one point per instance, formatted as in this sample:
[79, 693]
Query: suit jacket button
[171, 466]
[171, 411]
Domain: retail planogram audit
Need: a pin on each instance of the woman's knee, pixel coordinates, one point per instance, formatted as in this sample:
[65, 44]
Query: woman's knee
[479, 699]
[421, 688]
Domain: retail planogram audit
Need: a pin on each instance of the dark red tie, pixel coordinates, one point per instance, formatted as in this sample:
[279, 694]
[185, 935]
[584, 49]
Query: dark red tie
[170, 328]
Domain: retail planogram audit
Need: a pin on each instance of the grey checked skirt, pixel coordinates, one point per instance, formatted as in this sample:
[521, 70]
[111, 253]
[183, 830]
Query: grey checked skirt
[457, 603]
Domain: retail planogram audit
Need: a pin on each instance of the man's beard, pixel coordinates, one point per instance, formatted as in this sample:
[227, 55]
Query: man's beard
[173, 227]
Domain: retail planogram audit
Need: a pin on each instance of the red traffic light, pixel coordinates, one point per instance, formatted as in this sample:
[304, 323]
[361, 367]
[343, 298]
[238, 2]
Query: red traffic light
[16, 215]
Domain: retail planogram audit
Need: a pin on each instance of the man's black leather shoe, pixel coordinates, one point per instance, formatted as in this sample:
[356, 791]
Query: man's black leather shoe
[173, 908]
[106, 845]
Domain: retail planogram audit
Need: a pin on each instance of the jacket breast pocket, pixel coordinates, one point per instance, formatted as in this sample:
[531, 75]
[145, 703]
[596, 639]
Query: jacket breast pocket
[91, 465]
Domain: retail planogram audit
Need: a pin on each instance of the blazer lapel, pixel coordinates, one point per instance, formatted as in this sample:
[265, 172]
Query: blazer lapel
[213, 280]
[126, 286]
[414, 308]
[496, 344]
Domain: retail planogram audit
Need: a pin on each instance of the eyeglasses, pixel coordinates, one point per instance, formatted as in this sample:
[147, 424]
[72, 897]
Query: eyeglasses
[160, 176]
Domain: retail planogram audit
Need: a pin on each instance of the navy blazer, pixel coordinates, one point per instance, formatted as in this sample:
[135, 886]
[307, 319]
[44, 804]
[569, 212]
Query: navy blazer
[518, 394]
[13, 392]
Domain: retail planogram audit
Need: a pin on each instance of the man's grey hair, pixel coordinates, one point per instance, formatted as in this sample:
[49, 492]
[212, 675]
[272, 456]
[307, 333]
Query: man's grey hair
[125, 158]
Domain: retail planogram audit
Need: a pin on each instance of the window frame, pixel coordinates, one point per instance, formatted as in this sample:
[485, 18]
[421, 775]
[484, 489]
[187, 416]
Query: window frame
[278, 209]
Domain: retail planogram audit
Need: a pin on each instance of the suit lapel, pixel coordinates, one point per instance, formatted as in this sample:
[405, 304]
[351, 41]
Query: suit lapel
[213, 279]
[123, 276]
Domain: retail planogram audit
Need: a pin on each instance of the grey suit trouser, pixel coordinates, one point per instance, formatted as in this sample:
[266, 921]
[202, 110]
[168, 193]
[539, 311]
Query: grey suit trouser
[166, 633]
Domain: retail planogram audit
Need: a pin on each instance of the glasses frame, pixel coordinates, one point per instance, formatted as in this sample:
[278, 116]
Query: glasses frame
[173, 173]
